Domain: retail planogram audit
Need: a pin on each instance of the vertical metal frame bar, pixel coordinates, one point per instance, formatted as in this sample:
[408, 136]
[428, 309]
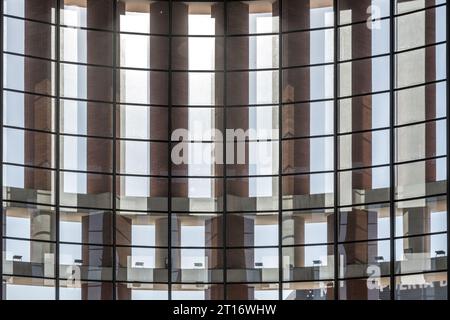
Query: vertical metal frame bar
[169, 167]
[224, 150]
[392, 39]
[336, 149]
[115, 46]
[448, 135]
[280, 151]
[57, 143]
[1, 151]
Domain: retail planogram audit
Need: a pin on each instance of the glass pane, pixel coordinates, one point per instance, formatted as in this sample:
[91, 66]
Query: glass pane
[135, 51]
[89, 14]
[260, 123]
[197, 194]
[308, 191]
[29, 258]
[308, 47]
[198, 291]
[420, 66]
[196, 230]
[246, 17]
[85, 226]
[364, 186]
[364, 112]
[86, 118]
[364, 149]
[85, 190]
[144, 291]
[421, 253]
[86, 82]
[364, 222]
[320, 122]
[252, 194]
[141, 157]
[420, 28]
[427, 286]
[364, 76]
[197, 265]
[197, 53]
[141, 122]
[85, 262]
[351, 11]
[86, 154]
[420, 103]
[144, 16]
[308, 290]
[252, 87]
[308, 227]
[28, 74]
[421, 216]
[141, 193]
[307, 14]
[364, 39]
[252, 229]
[252, 265]
[374, 288]
[361, 259]
[28, 184]
[142, 264]
[198, 18]
[421, 178]
[19, 110]
[28, 37]
[143, 87]
[308, 83]
[74, 289]
[28, 147]
[143, 229]
[252, 158]
[257, 52]
[86, 46]
[29, 221]
[308, 155]
[42, 10]
[20, 288]
[404, 7]
[425, 140]
[308, 263]
[250, 291]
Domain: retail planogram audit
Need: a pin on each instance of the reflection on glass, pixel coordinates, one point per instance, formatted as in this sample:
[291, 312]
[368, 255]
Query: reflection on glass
[308, 227]
[421, 216]
[319, 290]
[29, 221]
[421, 253]
[302, 263]
[21, 288]
[427, 286]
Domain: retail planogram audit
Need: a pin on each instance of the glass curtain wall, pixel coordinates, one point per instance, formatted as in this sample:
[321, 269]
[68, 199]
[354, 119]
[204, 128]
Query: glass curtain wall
[333, 182]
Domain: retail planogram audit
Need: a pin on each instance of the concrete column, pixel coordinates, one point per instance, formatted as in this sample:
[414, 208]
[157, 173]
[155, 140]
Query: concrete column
[296, 87]
[37, 145]
[99, 86]
[359, 221]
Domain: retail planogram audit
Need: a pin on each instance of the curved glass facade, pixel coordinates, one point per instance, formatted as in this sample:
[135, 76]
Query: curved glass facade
[341, 111]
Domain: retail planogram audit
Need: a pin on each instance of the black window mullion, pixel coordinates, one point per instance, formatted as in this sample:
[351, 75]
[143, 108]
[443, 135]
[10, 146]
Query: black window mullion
[392, 39]
[280, 152]
[57, 145]
[336, 150]
[224, 152]
[115, 48]
[1, 152]
[169, 167]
